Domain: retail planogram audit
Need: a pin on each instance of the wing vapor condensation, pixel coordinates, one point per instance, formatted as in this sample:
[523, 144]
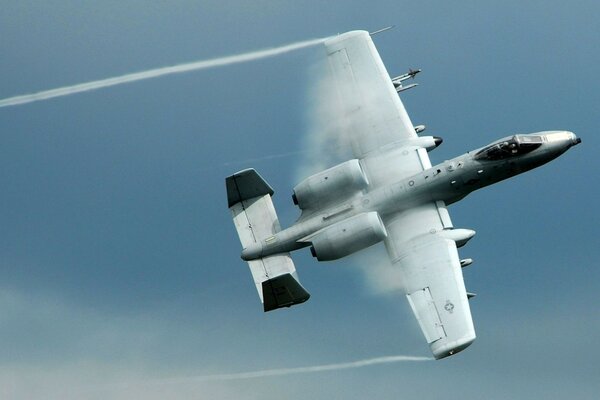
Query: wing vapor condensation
[155, 73]
[298, 370]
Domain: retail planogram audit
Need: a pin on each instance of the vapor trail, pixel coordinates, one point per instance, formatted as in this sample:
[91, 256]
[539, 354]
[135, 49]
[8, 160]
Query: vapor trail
[154, 73]
[298, 370]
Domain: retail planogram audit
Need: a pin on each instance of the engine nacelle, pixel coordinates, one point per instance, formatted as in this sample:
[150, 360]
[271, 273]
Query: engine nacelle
[427, 142]
[336, 182]
[348, 236]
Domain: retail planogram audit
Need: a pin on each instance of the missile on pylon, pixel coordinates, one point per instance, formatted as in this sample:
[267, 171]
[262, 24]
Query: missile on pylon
[397, 81]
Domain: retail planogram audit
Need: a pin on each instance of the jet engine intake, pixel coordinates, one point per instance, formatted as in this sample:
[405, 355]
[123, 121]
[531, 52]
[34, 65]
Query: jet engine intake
[346, 237]
[336, 182]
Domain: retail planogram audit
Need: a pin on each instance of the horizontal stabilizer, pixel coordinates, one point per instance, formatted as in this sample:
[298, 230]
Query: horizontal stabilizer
[283, 291]
[255, 220]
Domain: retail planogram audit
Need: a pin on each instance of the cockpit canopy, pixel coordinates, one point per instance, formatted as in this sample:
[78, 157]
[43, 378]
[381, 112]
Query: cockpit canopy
[509, 147]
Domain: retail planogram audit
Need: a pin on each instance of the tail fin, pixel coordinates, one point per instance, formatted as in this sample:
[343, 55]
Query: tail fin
[254, 217]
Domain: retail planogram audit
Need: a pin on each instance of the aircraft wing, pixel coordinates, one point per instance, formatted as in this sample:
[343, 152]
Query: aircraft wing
[420, 241]
[369, 114]
[374, 113]
[421, 244]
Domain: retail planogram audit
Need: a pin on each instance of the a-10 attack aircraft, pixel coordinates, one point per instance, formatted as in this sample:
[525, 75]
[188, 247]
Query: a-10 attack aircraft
[388, 192]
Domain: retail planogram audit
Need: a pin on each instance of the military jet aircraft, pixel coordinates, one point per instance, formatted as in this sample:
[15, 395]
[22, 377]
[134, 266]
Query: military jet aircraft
[388, 191]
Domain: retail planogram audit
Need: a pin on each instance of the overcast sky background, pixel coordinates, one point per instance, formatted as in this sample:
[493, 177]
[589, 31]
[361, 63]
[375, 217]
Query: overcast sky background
[119, 263]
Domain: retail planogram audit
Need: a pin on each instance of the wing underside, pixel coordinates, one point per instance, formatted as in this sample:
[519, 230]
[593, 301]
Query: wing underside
[419, 245]
[365, 98]
[370, 117]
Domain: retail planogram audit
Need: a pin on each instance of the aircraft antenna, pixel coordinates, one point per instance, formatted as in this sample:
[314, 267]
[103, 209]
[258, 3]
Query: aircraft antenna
[382, 30]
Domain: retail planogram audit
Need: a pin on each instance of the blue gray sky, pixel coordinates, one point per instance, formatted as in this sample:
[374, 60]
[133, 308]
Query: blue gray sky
[119, 264]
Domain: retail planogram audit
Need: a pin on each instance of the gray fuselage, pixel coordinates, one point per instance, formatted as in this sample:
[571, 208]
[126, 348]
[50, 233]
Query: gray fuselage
[449, 181]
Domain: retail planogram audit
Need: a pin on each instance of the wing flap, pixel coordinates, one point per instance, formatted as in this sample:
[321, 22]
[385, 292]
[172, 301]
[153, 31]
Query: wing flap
[424, 308]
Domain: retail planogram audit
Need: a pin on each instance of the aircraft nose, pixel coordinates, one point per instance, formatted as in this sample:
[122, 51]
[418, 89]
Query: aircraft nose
[563, 138]
[572, 138]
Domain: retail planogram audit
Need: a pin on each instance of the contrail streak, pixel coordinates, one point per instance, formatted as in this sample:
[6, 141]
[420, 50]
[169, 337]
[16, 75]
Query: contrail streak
[154, 73]
[249, 161]
[298, 370]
